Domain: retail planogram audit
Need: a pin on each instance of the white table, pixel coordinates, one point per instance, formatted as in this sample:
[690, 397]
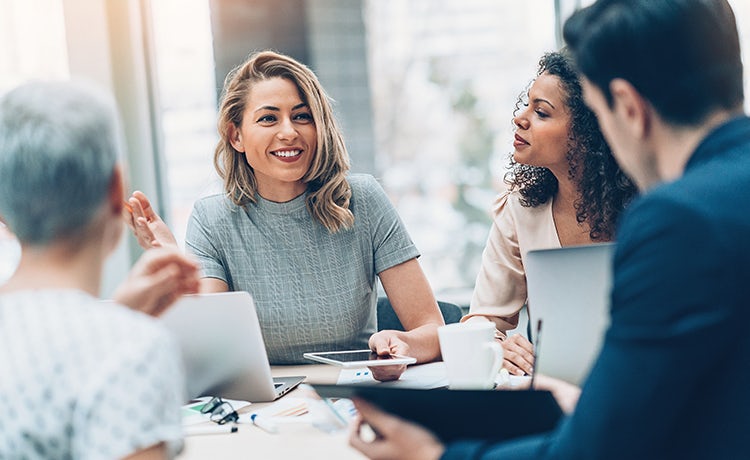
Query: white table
[293, 441]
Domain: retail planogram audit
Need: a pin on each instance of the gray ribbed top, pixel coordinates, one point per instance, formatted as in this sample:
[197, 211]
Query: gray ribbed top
[314, 290]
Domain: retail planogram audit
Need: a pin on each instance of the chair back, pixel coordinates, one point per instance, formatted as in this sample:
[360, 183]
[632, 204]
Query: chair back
[387, 318]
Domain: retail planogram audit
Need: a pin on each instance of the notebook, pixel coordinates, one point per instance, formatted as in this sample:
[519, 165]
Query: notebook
[460, 414]
[222, 348]
[569, 289]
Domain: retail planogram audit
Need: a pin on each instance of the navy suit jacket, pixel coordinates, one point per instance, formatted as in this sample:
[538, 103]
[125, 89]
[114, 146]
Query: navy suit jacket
[673, 376]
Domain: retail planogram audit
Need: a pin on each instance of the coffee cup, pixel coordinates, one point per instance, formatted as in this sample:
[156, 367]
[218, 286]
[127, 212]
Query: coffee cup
[472, 356]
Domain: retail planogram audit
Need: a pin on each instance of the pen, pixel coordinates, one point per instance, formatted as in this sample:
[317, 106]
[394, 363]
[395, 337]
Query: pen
[264, 424]
[209, 429]
[537, 342]
[336, 414]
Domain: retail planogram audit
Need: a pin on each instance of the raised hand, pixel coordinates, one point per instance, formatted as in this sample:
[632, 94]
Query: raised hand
[157, 280]
[147, 226]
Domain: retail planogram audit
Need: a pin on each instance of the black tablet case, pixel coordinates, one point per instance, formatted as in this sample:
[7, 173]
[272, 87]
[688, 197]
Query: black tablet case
[493, 415]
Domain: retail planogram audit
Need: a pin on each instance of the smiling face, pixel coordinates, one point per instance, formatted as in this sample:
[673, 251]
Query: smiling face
[278, 138]
[543, 127]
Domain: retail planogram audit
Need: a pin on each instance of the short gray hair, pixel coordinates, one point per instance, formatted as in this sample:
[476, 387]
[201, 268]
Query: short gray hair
[59, 144]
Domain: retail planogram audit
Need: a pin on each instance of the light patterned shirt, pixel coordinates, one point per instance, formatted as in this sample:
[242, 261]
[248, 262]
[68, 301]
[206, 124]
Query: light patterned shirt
[314, 290]
[84, 379]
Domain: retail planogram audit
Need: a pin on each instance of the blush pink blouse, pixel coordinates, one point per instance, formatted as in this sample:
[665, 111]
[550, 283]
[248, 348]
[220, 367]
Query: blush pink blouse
[500, 289]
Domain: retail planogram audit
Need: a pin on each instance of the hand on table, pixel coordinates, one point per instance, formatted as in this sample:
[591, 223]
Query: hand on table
[518, 355]
[387, 342]
[147, 226]
[395, 438]
[157, 280]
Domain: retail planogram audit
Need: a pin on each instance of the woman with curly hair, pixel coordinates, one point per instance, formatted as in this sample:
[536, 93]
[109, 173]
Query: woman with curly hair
[298, 232]
[564, 189]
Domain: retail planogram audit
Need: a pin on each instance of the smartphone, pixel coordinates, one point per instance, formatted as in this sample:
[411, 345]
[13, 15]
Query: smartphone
[358, 358]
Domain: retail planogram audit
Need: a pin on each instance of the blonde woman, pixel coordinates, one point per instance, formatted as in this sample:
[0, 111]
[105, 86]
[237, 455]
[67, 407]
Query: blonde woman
[298, 232]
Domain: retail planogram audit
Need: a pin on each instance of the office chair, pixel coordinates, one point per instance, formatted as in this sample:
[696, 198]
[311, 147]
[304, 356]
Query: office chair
[387, 318]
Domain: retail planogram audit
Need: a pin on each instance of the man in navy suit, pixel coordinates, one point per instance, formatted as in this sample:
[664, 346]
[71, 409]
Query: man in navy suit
[672, 381]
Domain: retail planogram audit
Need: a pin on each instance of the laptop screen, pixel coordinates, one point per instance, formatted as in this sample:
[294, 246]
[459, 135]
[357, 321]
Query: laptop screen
[569, 289]
[222, 346]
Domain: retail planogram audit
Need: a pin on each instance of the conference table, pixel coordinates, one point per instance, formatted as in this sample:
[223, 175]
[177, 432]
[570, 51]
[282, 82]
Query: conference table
[292, 441]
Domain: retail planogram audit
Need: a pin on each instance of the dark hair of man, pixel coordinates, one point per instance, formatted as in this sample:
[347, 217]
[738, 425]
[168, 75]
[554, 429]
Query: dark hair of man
[683, 56]
[603, 188]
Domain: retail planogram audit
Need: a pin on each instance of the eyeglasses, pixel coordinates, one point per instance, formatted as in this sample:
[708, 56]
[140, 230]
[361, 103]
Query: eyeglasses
[220, 411]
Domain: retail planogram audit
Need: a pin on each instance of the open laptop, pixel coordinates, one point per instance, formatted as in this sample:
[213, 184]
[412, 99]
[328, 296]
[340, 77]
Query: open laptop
[569, 289]
[222, 348]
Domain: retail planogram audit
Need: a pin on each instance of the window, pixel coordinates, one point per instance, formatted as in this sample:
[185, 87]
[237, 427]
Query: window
[31, 46]
[445, 78]
[188, 105]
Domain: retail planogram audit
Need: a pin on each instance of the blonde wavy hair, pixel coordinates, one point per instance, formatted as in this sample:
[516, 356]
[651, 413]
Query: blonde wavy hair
[328, 192]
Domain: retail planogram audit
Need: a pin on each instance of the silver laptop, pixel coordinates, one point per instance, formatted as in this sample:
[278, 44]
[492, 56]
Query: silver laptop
[222, 348]
[569, 289]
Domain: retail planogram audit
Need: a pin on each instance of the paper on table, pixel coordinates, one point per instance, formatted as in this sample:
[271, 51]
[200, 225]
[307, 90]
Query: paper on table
[359, 375]
[426, 376]
[286, 410]
[430, 375]
[518, 380]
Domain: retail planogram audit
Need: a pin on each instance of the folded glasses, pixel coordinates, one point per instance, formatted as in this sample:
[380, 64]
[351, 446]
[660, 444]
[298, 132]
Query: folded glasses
[220, 411]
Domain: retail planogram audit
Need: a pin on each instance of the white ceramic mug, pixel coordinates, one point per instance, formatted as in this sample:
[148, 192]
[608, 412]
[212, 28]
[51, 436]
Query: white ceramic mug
[472, 356]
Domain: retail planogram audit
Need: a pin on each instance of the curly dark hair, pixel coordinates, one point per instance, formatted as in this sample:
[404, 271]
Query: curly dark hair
[604, 190]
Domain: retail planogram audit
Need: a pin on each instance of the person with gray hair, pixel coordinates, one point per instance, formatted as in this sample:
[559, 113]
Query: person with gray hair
[81, 378]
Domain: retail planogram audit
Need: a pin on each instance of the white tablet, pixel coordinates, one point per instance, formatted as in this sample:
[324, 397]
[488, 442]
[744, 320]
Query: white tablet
[358, 358]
